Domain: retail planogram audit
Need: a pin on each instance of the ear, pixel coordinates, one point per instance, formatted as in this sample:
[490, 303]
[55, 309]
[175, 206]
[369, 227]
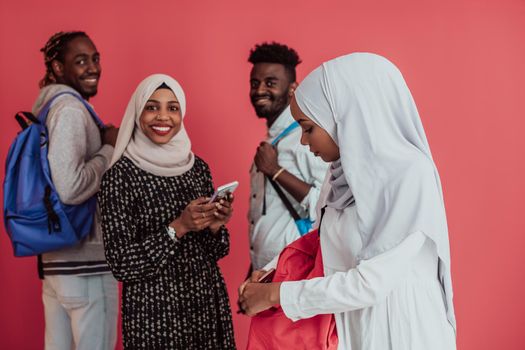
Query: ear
[291, 89]
[58, 68]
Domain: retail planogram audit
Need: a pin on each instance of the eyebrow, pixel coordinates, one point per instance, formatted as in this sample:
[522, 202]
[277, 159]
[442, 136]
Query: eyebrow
[84, 55]
[265, 78]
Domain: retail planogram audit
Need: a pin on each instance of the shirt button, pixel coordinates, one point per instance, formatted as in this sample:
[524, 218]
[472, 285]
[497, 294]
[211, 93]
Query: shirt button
[172, 252]
[253, 222]
[254, 196]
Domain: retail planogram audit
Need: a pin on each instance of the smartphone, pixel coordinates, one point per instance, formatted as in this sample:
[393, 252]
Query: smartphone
[223, 190]
[267, 277]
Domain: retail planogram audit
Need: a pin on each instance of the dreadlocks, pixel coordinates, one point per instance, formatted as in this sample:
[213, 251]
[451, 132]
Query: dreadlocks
[55, 49]
[276, 53]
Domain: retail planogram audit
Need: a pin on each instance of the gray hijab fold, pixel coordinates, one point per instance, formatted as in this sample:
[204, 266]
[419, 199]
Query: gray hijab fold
[340, 195]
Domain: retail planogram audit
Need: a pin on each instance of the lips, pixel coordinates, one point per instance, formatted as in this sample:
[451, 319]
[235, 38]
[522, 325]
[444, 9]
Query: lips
[161, 130]
[261, 100]
[92, 81]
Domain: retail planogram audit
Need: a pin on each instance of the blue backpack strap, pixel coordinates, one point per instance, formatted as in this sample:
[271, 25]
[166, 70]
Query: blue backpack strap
[285, 132]
[42, 115]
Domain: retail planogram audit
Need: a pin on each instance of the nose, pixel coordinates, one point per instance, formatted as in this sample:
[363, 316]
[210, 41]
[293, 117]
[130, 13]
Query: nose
[93, 67]
[304, 140]
[261, 89]
[163, 115]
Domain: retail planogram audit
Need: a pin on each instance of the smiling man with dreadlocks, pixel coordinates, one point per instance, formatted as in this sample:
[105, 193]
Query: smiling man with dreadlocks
[79, 293]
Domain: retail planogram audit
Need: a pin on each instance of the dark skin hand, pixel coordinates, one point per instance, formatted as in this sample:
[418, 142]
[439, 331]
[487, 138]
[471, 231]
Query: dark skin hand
[248, 275]
[255, 297]
[199, 215]
[266, 162]
[109, 135]
[223, 213]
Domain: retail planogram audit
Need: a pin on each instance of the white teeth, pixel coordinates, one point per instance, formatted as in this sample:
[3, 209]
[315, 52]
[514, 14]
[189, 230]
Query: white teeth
[161, 128]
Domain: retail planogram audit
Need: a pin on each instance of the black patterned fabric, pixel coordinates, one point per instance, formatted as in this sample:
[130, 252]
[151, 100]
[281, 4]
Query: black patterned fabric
[174, 295]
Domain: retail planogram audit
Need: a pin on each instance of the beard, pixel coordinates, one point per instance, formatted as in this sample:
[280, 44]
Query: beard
[271, 110]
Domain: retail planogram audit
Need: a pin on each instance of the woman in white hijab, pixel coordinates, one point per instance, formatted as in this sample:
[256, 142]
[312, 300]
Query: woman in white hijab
[384, 236]
[162, 236]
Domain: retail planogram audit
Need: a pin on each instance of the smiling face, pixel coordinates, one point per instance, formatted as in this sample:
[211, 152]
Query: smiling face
[320, 142]
[80, 67]
[161, 118]
[270, 90]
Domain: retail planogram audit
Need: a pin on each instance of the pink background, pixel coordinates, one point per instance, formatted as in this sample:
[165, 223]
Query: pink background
[463, 60]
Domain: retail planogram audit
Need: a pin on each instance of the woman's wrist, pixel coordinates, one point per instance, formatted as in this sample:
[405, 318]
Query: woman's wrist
[180, 229]
[214, 229]
[275, 293]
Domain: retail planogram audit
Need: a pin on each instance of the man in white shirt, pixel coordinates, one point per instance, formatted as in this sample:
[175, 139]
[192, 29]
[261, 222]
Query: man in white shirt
[293, 168]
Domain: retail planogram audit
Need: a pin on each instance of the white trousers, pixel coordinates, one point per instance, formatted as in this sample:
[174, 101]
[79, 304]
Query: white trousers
[80, 312]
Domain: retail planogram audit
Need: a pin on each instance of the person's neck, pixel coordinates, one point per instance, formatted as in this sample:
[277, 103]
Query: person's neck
[273, 118]
[84, 97]
[66, 84]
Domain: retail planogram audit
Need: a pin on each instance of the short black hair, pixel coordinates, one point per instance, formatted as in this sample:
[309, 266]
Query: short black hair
[55, 49]
[276, 53]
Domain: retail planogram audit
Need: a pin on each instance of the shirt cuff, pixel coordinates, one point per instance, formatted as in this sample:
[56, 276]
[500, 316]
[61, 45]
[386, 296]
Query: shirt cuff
[162, 247]
[289, 295]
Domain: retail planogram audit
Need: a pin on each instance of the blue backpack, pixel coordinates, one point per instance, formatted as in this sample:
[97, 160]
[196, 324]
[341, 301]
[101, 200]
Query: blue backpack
[34, 217]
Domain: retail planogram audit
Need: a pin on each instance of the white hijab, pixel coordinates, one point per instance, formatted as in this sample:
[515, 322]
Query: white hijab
[363, 102]
[170, 159]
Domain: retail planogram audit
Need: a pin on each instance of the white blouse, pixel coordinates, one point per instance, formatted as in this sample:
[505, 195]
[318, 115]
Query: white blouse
[392, 301]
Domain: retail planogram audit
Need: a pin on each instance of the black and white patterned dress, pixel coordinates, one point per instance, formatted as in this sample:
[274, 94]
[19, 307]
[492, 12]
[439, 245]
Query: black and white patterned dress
[174, 295]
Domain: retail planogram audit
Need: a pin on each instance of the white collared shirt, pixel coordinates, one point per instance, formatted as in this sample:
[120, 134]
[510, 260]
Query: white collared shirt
[271, 232]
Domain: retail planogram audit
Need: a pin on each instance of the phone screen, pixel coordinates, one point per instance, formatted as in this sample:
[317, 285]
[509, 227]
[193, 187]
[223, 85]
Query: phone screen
[223, 190]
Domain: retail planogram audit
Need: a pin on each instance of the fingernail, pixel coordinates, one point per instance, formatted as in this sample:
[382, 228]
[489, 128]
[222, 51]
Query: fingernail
[221, 201]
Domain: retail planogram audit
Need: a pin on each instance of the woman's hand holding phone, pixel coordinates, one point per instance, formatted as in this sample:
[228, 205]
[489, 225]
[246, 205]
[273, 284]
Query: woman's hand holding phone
[198, 215]
[223, 213]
